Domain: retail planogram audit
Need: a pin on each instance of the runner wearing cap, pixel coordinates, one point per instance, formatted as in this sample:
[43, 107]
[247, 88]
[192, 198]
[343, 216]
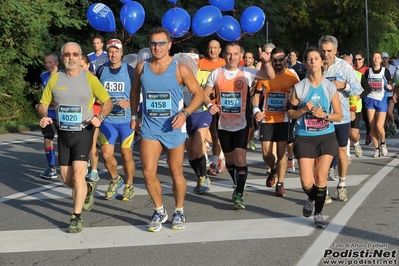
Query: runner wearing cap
[117, 78]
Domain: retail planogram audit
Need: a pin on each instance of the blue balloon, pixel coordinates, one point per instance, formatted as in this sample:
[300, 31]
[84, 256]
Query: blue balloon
[173, 1]
[206, 21]
[230, 29]
[125, 1]
[223, 5]
[101, 18]
[132, 16]
[252, 19]
[177, 21]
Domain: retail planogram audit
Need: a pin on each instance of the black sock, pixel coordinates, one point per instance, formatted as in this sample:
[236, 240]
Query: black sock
[310, 192]
[241, 174]
[232, 171]
[320, 197]
[382, 143]
[77, 215]
[193, 164]
[201, 165]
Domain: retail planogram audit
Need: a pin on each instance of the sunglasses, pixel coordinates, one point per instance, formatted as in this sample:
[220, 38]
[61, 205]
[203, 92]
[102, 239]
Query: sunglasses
[160, 44]
[358, 59]
[278, 60]
[68, 54]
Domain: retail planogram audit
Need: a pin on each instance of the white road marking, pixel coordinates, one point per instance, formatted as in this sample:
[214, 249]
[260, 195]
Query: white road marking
[58, 190]
[20, 141]
[315, 253]
[129, 236]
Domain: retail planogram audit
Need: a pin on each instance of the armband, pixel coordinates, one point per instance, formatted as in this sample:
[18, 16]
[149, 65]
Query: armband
[134, 117]
[209, 105]
[290, 106]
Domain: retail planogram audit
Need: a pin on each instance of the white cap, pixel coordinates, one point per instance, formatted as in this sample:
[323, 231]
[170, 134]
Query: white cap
[384, 54]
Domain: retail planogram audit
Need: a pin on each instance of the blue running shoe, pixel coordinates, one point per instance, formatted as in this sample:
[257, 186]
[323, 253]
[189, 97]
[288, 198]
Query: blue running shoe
[114, 185]
[179, 221]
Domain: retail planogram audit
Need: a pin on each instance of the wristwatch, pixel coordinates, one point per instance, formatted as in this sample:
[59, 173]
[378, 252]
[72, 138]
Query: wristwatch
[101, 117]
[326, 116]
[187, 114]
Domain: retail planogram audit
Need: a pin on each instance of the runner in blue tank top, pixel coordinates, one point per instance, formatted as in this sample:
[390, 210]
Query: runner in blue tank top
[162, 80]
[311, 103]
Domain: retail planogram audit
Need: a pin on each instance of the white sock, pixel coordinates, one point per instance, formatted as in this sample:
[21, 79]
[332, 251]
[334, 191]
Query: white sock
[341, 182]
[356, 143]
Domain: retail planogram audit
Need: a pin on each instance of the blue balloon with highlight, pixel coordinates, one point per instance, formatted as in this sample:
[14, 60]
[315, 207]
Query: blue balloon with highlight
[252, 19]
[230, 29]
[132, 16]
[206, 21]
[223, 5]
[177, 21]
[101, 17]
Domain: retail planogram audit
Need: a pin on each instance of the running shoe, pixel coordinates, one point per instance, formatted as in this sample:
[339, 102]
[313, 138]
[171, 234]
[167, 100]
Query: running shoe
[89, 200]
[384, 150]
[358, 151]
[93, 176]
[49, 173]
[376, 153]
[128, 193]
[75, 224]
[114, 185]
[271, 179]
[368, 139]
[212, 170]
[341, 194]
[328, 198]
[388, 134]
[307, 208]
[238, 201]
[157, 220]
[291, 165]
[203, 185]
[332, 176]
[179, 221]
[88, 166]
[251, 145]
[221, 167]
[319, 221]
[349, 159]
[280, 191]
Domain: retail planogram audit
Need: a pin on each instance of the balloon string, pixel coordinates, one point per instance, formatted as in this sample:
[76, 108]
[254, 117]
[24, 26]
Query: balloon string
[239, 38]
[189, 37]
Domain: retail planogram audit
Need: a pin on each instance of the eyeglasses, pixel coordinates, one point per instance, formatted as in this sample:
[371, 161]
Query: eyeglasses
[278, 60]
[68, 54]
[160, 44]
[358, 59]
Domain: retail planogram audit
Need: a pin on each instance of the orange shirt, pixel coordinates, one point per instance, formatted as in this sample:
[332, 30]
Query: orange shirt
[276, 92]
[206, 64]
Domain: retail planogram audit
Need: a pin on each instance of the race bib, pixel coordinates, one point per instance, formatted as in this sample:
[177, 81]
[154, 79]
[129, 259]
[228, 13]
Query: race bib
[231, 102]
[276, 101]
[314, 124]
[159, 104]
[114, 86]
[376, 84]
[70, 117]
[117, 111]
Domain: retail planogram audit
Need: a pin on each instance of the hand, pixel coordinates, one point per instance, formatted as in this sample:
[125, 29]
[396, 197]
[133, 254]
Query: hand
[214, 109]
[318, 111]
[259, 116]
[395, 98]
[308, 106]
[134, 125]
[45, 121]
[389, 87]
[95, 121]
[353, 115]
[340, 85]
[264, 56]
[123, 103]
[179, 120]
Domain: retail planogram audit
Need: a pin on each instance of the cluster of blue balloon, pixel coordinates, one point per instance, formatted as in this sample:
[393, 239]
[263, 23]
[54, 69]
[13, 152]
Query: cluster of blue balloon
[209, 20]
[101, 18]
[206, 21]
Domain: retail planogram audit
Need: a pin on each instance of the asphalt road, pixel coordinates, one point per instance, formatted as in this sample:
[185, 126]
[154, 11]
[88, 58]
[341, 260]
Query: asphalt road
[271, 231]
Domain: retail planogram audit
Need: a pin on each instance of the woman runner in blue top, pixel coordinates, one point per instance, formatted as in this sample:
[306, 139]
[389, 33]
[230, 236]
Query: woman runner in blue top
[314, 102]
